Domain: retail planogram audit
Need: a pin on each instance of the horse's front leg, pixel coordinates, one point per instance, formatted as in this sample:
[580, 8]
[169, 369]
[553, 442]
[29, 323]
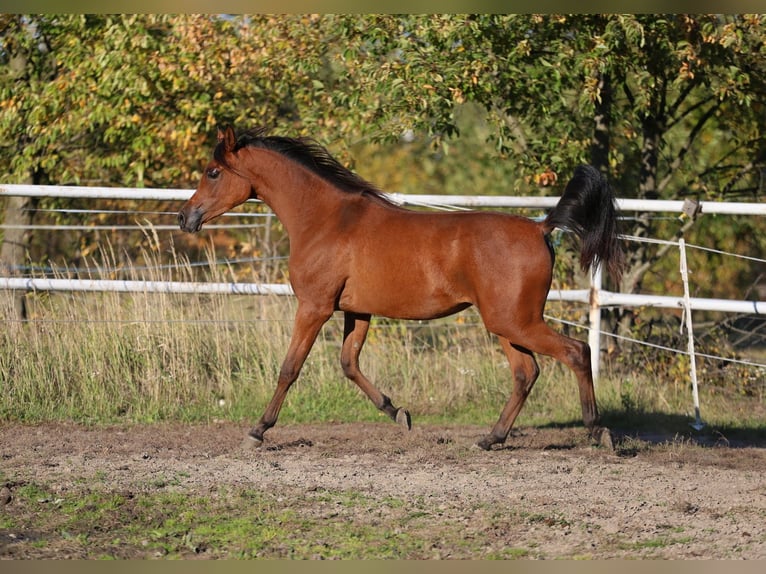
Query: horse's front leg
[308, 322]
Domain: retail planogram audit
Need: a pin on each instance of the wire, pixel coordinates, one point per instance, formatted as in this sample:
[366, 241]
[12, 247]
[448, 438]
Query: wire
[711, 250]
[690, 246]
[660, 347]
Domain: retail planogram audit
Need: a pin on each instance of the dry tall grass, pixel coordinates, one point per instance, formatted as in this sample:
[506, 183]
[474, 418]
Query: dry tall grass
[105, 357]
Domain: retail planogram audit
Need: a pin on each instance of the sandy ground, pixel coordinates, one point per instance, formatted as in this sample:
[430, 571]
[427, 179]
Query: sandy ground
[664, 498]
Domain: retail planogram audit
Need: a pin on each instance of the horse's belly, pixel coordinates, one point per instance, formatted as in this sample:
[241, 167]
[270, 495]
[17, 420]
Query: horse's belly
[409, 296]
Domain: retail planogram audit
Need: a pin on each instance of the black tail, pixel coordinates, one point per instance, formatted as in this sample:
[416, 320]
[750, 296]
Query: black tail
[588, 209]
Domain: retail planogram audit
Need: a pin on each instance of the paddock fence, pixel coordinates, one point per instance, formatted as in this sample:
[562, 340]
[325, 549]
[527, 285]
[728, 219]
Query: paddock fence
[595, 297]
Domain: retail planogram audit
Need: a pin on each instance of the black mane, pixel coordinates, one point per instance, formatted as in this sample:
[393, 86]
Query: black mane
[310, 154]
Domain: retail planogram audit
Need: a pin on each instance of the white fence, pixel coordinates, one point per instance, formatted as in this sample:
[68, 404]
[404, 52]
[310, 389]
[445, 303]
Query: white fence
[647, 205]
[596, 297]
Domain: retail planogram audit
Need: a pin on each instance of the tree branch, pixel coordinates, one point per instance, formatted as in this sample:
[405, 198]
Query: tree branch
[689, 110]
[742, 172]
[693, 133]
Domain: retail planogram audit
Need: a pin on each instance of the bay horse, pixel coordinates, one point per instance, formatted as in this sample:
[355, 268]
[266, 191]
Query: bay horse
[353, 250]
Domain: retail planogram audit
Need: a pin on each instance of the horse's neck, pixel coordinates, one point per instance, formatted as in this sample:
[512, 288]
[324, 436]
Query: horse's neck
[299, 198]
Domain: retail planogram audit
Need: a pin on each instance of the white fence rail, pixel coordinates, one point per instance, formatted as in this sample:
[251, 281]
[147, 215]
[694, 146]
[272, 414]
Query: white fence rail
[595, 296]
[650, 205]
[605, 298]
[119, 286]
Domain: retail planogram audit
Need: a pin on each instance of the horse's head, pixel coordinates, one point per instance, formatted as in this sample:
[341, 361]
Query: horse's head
[220, 189]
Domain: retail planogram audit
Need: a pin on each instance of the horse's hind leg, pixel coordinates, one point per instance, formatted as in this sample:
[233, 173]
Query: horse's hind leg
[525, 372]
[576, 355]
[537, 337]
[540, 338]
[354, 333]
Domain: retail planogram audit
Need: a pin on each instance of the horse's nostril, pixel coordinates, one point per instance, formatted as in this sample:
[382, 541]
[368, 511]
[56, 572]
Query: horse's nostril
[190, 219]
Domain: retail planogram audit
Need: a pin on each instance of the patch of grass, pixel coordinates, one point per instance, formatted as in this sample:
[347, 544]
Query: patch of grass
[509, 554]
[655, 543]
[237, 524]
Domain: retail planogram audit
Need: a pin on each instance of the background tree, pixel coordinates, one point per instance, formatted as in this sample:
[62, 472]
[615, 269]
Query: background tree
[109, 100]
[669, 105]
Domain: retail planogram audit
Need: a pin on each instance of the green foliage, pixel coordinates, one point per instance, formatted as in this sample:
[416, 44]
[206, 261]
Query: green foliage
[107, 99]
[133, 99]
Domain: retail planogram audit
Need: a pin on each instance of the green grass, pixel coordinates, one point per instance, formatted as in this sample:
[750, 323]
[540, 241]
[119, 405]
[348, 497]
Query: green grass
[655, 543]
[241, 523]
[244, 522]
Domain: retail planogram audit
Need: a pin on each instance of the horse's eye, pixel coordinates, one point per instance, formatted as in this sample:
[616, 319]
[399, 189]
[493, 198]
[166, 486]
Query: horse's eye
[213, 173]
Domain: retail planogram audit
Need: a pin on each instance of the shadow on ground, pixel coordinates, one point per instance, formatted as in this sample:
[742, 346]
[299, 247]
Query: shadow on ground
[660, 428]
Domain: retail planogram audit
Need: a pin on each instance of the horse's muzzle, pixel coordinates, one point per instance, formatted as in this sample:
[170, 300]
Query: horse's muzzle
[190, 220]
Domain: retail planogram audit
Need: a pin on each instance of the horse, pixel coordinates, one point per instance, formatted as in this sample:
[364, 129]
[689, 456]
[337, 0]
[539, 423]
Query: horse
[355, 251]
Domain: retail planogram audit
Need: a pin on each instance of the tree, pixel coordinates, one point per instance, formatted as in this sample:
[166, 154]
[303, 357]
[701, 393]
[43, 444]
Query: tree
[103, 100]
[668, 105]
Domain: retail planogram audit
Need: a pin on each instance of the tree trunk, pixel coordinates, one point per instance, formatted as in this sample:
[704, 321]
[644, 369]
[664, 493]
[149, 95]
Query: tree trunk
[599, 147]
[15, 243]
[637, 260]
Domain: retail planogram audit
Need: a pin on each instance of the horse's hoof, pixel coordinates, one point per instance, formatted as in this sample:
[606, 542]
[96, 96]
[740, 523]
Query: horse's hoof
[252, 442]
[605, 439]
[487, 442]
[403, 418]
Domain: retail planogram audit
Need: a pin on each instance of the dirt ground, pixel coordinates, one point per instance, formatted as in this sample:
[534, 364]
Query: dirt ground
[668, 497]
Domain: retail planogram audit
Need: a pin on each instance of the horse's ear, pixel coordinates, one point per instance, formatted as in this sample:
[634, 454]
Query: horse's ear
[228, 138]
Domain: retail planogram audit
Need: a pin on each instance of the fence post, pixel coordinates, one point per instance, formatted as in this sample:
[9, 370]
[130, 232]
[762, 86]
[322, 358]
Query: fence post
[594, 317]
[697, 424]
